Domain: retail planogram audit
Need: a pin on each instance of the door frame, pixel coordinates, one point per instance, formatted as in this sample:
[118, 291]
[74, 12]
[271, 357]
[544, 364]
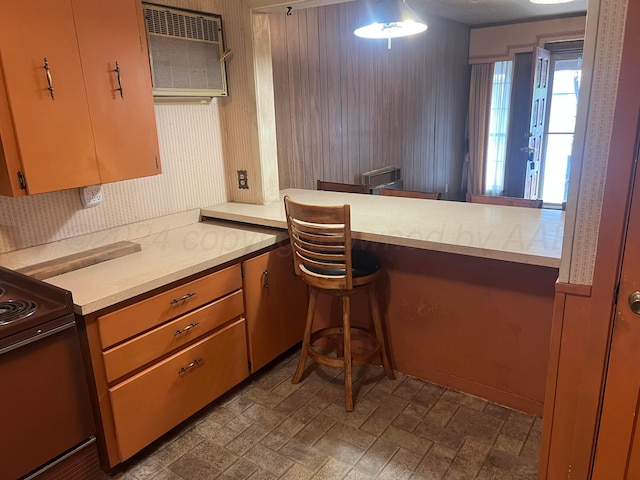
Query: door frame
[623, 163]
[583, 319]
[615, 437]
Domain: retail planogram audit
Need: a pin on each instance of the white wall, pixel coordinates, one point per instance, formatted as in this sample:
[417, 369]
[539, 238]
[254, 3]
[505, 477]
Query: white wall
[500, 43]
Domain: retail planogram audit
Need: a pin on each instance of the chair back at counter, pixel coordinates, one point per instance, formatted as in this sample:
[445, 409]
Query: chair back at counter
[391, 192]
[508, 201]
[342, 187]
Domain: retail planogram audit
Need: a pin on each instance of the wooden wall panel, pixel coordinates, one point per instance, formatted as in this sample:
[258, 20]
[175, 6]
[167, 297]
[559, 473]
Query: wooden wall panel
[345, 105]
[473, 324]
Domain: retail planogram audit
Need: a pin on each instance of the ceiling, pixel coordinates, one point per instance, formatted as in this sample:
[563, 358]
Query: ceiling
[490, 12]
[470, 12]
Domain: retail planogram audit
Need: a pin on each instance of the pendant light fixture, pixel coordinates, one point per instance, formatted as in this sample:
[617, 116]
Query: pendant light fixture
[390, 19]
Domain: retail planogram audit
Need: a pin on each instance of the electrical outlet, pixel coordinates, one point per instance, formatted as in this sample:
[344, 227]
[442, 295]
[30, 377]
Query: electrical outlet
[91, 196]
[243, 181]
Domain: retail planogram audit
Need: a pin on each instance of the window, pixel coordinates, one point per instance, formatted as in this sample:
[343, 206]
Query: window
[498, 128]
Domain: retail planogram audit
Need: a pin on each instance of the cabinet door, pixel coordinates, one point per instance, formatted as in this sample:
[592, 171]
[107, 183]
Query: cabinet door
[51, 130]
[113, 50]
[275, 305]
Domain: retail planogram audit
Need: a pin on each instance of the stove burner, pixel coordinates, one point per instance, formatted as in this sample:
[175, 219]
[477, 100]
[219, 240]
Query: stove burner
[13, 310]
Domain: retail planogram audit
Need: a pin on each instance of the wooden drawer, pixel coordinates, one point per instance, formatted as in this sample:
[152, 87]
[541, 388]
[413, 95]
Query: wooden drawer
[152, 402]
[134, 319]
[147, 347]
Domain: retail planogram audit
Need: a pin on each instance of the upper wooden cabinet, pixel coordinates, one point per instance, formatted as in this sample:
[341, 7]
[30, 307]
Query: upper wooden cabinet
[113, 49]
[76, 106]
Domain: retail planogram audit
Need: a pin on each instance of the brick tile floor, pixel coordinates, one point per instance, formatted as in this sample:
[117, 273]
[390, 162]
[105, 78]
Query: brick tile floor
[405, 428]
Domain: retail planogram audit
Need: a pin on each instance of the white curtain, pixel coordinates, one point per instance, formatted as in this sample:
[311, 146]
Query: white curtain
[496, 153]
[479, 114]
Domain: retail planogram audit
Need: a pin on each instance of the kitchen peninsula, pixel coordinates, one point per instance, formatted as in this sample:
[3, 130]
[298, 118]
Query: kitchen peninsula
[468, 288]
[467, 292]
[530, 236]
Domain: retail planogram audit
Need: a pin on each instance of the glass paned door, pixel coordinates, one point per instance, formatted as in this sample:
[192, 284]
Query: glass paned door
[561, 121]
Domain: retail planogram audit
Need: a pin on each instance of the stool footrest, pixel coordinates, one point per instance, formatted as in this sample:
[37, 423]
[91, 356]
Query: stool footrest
[356, 358]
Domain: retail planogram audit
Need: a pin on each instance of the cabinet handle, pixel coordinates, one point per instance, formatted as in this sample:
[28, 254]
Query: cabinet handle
[187, 328]
[183, 298]
[190, 366]
[117, 72]
[47, 70]
[265, 280]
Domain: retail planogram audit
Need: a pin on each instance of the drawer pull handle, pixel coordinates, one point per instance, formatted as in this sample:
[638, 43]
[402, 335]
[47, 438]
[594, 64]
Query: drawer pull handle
[187, 328]
[183, 298]
[265, 280]
[190, 366]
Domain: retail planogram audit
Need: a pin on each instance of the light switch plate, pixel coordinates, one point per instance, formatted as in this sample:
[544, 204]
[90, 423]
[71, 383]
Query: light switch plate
[91, 196]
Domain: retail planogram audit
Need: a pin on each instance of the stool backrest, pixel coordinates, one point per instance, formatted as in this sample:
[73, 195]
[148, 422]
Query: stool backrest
[321, 244]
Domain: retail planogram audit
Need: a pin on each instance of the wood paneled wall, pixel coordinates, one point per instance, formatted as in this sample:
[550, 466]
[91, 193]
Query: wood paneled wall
[346, 105]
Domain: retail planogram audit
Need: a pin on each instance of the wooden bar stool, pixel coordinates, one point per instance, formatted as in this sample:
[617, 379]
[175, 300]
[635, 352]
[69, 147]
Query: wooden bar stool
[322, 256]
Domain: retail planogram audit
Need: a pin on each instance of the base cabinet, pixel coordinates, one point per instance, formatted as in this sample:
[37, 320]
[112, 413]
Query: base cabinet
[157, 399]
[275, 305]
[160, 359]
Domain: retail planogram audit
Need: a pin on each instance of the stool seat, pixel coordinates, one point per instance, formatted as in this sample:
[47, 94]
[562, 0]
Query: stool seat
[363, 264]
[322, 255]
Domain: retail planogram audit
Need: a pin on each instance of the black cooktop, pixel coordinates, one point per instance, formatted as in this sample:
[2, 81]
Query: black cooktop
[14, 310]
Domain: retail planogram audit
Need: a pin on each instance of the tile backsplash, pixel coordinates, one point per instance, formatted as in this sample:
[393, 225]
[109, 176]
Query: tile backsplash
[192, 176]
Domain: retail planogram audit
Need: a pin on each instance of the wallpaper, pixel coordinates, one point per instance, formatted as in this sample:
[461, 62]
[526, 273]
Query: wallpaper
[581, 241]
[192, 176]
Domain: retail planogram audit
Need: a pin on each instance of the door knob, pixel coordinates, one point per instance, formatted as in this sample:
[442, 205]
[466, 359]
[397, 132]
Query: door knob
[634, 302]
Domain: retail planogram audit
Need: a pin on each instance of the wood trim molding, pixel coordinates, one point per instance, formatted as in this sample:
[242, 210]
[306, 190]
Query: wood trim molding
[573, 289]
[552, 382]
[511, 49]
[496, 395]
[267, 6]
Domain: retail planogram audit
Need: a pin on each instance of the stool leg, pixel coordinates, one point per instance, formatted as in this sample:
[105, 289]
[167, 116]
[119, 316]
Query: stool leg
[306, 339]
[346, 325]
[377, 325]
[339, 338]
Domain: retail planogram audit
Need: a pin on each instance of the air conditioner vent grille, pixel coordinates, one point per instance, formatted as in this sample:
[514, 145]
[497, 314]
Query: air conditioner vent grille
[167, 22]
[185, 49]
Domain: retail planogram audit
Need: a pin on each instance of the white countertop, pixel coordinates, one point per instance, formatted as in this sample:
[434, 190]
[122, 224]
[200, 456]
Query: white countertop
[514, 234]
[177, 246]
[167, 255]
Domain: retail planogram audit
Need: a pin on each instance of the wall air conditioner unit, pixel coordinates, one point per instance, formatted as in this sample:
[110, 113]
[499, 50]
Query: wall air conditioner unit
[387, 177]
[186, 52]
